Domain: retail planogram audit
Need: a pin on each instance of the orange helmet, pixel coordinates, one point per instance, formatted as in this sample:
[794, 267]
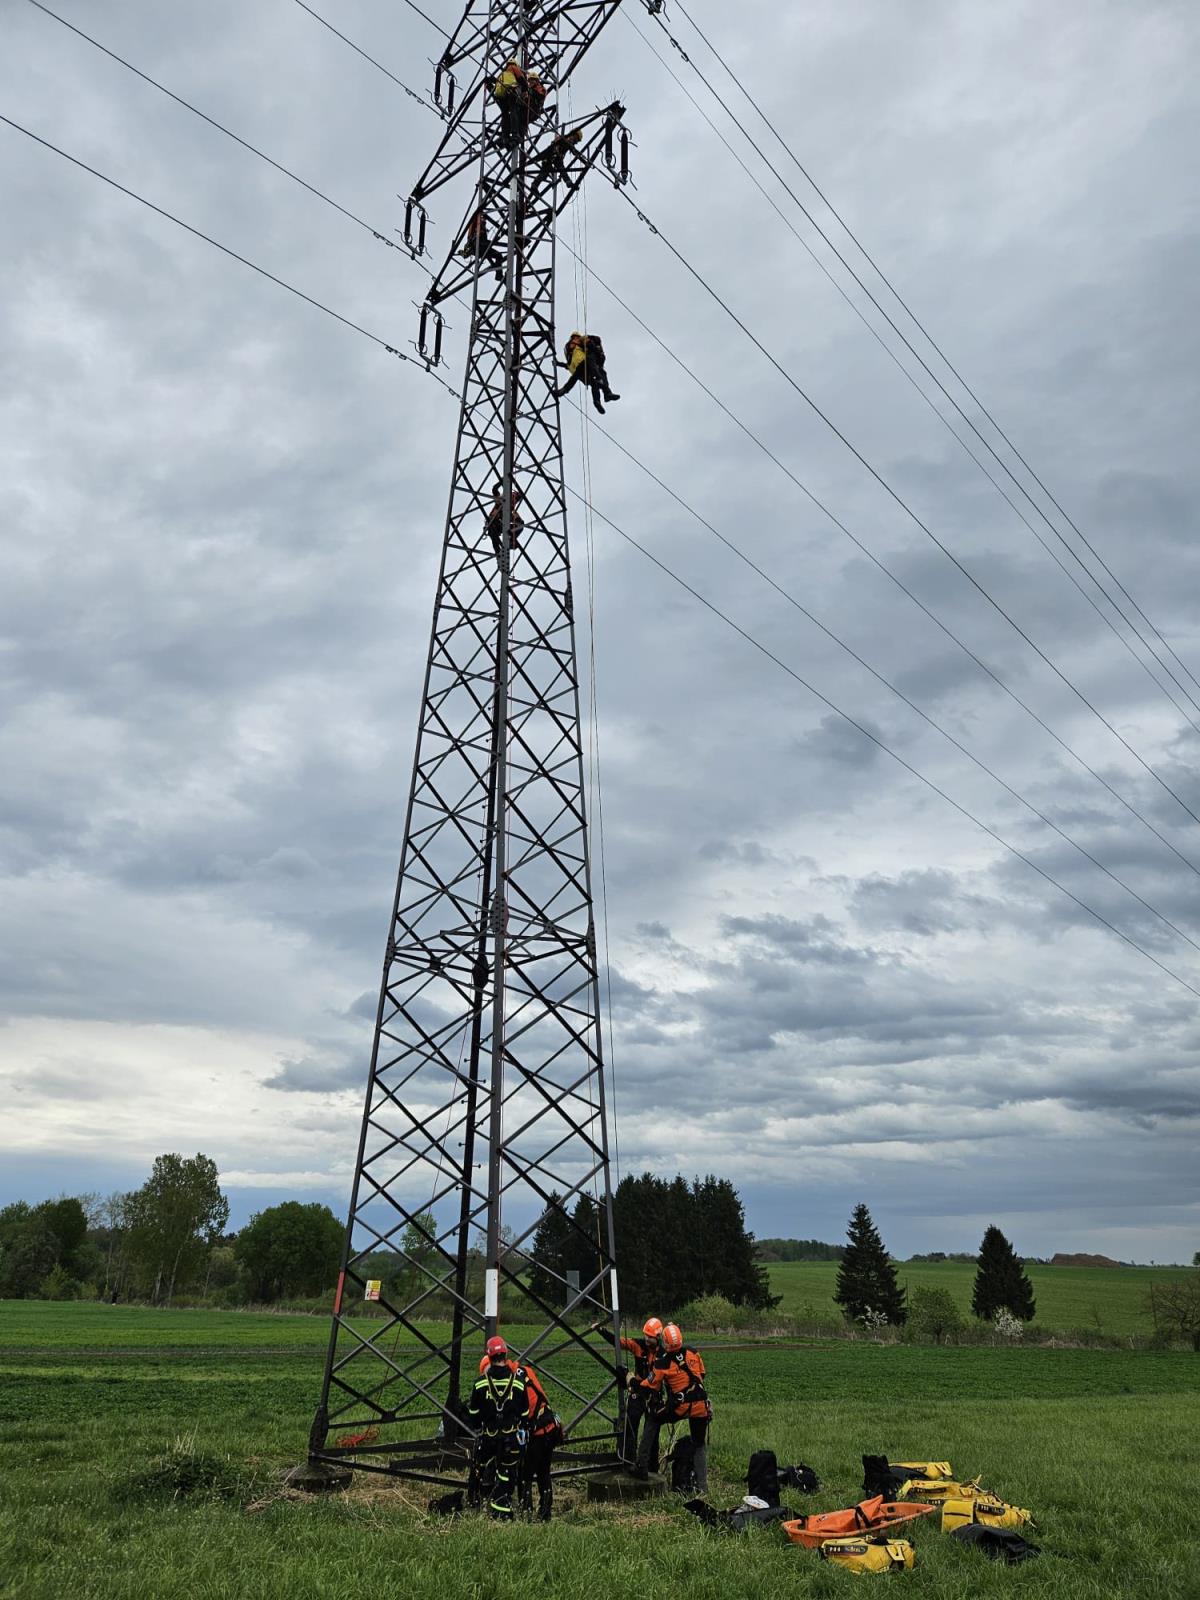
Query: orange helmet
[652, 1327]
[672, 1338]
[496, 1349]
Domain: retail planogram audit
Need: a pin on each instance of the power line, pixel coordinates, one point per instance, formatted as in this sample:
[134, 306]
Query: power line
[425, 17]
[899, 500]
[888, 684]
[226, 250]
[220, 126]
[327, 199]
[926, 397]
[942, 355]
[358, 49]
[889, 574]
[825, 700]
[866, 733]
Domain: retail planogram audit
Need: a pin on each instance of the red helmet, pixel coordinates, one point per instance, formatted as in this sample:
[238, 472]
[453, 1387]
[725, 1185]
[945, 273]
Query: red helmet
[496, 1348]
[652, 1327]
[672, 1338]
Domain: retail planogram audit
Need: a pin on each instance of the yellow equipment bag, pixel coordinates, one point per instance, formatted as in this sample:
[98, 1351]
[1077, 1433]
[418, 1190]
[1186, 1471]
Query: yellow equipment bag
[869, 1555]
[939, 1489]
[926, 1469]
[985, 1509]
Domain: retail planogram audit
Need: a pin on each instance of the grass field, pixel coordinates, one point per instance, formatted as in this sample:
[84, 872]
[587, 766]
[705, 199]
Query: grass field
[1110, 1300]
[1099, 1443]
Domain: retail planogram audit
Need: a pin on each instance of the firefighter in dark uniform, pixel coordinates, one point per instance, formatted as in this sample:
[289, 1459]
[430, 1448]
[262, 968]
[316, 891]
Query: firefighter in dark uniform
[497, 1410]
[645, 1352]
[543, 1431]
[676, 1393]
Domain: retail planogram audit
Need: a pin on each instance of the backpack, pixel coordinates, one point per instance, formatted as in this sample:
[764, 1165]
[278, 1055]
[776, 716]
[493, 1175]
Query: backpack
[762, 1476]
[683, 1466]
[998, 1544]
[880, 1478]
[800, 1477]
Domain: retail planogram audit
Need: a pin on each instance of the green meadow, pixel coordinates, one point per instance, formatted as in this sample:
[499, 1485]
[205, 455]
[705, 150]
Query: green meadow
[1098, 1443]
[1107, 1300]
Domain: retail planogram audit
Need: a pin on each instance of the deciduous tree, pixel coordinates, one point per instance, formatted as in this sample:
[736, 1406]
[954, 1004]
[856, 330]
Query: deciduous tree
[1176, 1309]
[290, 1250]
[176, 1215]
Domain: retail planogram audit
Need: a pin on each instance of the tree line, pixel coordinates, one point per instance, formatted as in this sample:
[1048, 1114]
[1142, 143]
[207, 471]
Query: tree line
[678, 1240]
[799, 1250]
[165, 1239]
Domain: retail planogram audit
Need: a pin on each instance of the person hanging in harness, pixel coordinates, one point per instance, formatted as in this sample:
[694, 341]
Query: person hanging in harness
[645, 1352]
[477, 244]
[497, 1410]
[583, 357]
[494, 525]
[676, 1393]
[543, 1431]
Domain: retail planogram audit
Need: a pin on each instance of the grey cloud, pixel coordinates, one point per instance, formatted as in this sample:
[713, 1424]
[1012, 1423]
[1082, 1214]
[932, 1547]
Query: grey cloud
[221, 516]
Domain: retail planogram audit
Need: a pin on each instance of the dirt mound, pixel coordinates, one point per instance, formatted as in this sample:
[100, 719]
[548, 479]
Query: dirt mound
[1061, 1260]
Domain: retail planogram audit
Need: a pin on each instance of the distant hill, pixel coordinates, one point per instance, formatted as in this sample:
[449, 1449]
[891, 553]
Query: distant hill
[798, 1250]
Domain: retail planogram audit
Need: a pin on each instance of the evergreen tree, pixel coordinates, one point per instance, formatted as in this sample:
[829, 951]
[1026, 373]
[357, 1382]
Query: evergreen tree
[637, 1219]
[550, 1249]
[729, 1265]
[583, 1254]
[1000, 1280]
[866, 1279]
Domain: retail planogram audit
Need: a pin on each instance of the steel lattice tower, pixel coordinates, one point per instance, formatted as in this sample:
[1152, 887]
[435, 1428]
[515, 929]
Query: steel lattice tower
[486, 1090]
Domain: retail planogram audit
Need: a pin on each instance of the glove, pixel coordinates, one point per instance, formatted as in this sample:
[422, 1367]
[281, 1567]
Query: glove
[622, 1377]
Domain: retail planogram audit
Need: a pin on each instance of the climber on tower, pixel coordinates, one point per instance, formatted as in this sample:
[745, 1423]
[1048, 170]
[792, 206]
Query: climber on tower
[477, 243]
[494, 525]
[552, 159]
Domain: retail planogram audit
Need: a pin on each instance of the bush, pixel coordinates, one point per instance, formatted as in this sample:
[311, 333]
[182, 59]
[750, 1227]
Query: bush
[711, 1312]
[182, 1472]
[58, 1284]
[933, 1315]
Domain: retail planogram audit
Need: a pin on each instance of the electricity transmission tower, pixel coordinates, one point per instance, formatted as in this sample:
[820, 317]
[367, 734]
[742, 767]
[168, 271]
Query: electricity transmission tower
[485, 1102]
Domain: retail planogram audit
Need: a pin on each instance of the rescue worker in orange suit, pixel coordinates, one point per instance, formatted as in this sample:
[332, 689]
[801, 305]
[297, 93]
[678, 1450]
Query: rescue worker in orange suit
[645, 1352]
[476, 243]
[543, 1431]
[583, 357]
[535, 99]
[676, 1393]
[497, 1411]
[495, 519]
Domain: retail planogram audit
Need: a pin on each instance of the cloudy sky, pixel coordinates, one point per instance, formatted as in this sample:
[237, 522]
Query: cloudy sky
[221, 513]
